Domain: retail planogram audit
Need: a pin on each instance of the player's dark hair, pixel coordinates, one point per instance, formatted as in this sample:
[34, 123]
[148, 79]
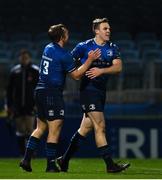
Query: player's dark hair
[97, 22]
[56, 32]
[24, 51]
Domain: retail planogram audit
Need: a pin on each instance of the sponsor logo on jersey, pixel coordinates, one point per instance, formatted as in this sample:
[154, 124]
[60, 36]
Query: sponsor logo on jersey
[51, 112]
[100, 63]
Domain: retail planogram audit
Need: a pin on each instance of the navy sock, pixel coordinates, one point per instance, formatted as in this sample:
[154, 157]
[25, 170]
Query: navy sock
[21, 144]
[105, 153]
[51, 149]
[73, 147]
[31, 146]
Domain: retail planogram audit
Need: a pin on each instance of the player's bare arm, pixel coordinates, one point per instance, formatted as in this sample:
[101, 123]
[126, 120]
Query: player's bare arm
[92, 55]
[114, 69]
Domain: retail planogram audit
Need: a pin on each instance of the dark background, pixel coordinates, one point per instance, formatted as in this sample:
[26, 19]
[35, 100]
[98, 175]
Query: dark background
[124, 15]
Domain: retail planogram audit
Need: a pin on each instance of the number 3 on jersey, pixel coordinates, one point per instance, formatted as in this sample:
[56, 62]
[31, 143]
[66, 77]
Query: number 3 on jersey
[45, 67]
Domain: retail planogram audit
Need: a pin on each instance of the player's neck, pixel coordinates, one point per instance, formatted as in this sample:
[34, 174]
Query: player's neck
[60, 43]
[99, 42]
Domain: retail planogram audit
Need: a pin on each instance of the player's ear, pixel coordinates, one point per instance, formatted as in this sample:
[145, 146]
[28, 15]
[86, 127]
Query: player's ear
[96, 31]
[63, 36]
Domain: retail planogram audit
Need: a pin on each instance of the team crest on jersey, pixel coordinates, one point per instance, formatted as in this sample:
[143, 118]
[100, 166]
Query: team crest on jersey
[92, 107]
[62, 112]
[109, 52]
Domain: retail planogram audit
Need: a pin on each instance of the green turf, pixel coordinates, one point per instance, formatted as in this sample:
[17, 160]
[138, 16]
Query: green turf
[83, 169]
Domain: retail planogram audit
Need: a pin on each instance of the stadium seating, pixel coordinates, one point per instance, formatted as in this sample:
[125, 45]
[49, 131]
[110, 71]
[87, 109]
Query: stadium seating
[5, 56]
[3, 46]
[134, 55]
[21, 37]
[42, 36]
[151, 54]
[121, 36]
[145, 36]
[125, 44]
[130, 55]
[145, 45]
[133, 75]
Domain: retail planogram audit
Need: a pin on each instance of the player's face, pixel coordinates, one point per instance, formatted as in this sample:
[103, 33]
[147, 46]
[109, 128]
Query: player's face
[103, 32]
[24, 59]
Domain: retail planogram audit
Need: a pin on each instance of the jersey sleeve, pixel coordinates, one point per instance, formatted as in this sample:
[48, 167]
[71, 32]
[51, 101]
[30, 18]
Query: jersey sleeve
[47, 54]
[117, 54]
[68, 63]
[77, 54]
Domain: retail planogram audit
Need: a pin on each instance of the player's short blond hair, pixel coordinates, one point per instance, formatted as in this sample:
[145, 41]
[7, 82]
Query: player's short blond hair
[97, 22]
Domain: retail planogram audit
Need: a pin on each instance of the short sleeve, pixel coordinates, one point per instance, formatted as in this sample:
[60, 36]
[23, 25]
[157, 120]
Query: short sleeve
[77, 52]
[117, 54]
[68, 63]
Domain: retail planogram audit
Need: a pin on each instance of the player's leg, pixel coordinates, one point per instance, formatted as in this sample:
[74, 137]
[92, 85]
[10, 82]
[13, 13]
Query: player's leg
[20, 133]
[54, 127]
[32, 144]
[85, 127]
[29, 124]
[34, 139]
[98, 121]
[55, 116]
[27, 129]
[101, 142]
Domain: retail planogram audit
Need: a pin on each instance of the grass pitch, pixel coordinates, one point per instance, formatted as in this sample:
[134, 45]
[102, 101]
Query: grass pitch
[83, 169]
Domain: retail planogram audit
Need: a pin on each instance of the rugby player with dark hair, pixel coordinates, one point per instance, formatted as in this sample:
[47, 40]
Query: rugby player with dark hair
[56, 62]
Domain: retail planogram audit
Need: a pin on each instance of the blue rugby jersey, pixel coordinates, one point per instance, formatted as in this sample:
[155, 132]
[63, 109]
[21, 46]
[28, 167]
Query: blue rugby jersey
[109, 51]
[55, 64]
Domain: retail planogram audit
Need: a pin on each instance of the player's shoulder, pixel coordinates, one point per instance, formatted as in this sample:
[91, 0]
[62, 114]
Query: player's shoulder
[53, 47]
[112, 44]
[89, 41]
[49, 47]
[85, 43]
[16, 68]
[35, 67]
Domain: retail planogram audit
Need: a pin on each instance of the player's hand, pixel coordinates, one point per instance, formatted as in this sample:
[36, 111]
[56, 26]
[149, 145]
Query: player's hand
[94, 54]
[94, 72]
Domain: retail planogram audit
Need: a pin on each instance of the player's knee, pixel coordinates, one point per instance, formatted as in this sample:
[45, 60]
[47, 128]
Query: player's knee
[84, 131]
[100, 130]
[40, 130]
